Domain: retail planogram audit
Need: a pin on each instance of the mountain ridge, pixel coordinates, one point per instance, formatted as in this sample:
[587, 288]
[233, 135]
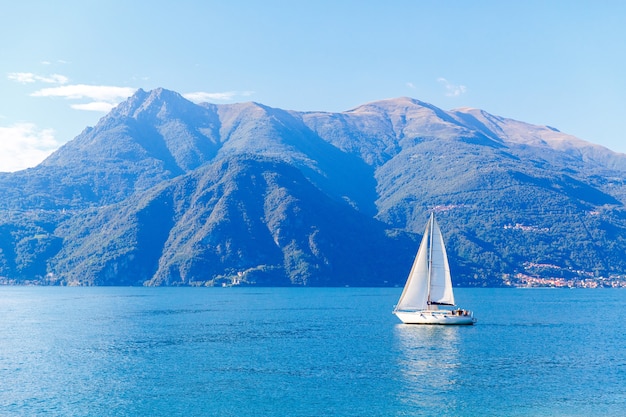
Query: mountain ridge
[120, 204]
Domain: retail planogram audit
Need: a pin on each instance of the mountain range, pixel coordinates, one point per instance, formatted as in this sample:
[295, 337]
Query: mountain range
[163, 191]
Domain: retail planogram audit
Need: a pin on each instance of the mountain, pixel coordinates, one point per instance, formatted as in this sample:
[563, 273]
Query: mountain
[163, 191]
[239, 220]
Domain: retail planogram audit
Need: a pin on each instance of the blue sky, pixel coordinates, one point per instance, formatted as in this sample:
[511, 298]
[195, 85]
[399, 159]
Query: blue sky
[66, 63]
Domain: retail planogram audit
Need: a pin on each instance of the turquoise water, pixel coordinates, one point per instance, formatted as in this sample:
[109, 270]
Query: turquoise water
[307, 352]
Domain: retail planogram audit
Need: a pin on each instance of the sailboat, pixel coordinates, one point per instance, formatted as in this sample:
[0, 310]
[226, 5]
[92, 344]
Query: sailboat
[429, 285]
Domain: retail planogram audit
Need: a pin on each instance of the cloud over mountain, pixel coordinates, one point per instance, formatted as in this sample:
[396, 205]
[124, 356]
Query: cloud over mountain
[201, 96]
[80, 91]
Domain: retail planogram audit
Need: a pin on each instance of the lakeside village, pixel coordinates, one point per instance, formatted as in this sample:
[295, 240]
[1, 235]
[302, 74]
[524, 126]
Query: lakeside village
[521, 280]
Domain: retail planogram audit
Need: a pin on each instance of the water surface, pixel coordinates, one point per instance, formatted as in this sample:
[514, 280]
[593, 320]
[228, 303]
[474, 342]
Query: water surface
[307, 352]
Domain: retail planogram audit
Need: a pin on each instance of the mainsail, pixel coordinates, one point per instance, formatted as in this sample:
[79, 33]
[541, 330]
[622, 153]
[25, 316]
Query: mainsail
[429, 281]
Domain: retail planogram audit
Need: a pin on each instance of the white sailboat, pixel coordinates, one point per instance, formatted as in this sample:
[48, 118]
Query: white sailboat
[430, 285]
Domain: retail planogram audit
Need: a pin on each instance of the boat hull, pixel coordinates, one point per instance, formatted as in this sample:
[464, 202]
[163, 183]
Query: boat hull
[439, 317]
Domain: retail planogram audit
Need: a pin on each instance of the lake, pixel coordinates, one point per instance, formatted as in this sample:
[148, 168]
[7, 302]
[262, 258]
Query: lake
[308, 352]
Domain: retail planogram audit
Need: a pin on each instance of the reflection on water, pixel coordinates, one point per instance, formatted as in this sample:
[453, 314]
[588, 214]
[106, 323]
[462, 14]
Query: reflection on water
[428, 361]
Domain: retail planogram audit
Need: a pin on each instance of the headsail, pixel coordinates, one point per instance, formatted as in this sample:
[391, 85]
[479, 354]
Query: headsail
[415, 293]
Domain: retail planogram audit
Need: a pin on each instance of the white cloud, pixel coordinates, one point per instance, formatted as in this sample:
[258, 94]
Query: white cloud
[58, 61]
[23, 145]
[410, 85]
[201, 96]
[55, 79]
[452, 90]
[22, 77]
[80, 91]
[29, 77]
[100, 106]
[103, 97]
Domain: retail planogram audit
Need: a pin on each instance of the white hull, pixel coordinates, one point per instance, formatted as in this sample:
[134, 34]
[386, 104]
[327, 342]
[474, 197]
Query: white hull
[435, 317]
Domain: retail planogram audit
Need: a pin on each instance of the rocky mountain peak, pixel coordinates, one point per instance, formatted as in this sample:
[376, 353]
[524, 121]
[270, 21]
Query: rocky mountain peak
[159, 103]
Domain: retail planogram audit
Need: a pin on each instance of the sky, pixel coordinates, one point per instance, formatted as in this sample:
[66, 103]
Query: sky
[64, 64]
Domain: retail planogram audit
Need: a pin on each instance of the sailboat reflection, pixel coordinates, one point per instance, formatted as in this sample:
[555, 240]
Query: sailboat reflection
[428, 362]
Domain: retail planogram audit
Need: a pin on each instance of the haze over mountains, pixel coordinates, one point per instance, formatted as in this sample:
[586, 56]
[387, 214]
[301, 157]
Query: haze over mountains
[163, 191]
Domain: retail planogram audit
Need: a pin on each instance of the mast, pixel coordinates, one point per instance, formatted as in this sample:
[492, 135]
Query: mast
[430, 254]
